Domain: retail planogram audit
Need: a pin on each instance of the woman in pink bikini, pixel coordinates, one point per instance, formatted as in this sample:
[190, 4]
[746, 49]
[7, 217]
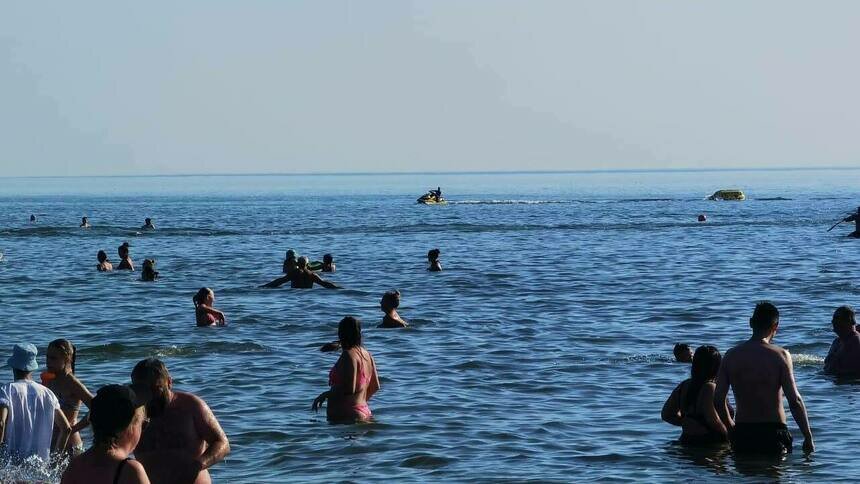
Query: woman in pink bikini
[353, 379]
[204, 312]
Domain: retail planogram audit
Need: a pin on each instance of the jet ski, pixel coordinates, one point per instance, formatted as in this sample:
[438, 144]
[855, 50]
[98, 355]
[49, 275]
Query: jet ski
[430, 198]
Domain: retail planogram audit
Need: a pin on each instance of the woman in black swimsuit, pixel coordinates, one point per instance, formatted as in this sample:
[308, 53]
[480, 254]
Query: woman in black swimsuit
[117, 417]
[691, 404]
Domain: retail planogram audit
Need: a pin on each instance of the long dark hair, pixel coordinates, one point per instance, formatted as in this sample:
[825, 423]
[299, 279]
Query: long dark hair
[67, 348]
[706, 364]
[349, 332]
[201, 294]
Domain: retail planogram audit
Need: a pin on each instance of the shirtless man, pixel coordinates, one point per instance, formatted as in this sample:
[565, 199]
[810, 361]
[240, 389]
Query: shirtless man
[183, 438]
[856, 219]
[759, 372]
[844, 355]
[301, 278]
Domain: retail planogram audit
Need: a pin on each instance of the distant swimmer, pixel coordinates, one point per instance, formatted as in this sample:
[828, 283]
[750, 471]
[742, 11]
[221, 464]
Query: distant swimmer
[85, 223]
[205, 314]
[691, 404]
[147, 224]
[104, 264]
[352, 380]
[301, 278]
[32, 218]
[149, 273]
[328, 263]
[125, 262]
[703, 217]
[389, 304]
[683, 353]
[290, 263]
[760, 373]
[844, 355]
[433, 258]
[856, 219]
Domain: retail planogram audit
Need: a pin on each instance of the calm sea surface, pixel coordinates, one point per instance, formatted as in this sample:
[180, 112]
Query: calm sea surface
[543, 352]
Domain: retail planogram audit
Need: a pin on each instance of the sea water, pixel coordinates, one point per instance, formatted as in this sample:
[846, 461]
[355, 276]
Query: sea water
[543, 351]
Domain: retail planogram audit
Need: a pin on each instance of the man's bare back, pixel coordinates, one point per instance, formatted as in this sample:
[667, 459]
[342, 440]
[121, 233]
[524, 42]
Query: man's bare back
[755, 370]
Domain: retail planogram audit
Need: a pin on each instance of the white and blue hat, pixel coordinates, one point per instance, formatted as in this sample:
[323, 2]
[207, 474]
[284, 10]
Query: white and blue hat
[24, 357]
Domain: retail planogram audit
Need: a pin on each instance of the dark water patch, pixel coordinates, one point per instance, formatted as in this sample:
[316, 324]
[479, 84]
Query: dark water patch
[128, 350]
[425, 461]
[773, 199]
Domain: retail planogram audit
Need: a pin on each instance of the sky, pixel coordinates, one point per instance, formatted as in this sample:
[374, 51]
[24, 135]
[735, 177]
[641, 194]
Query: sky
[135, 88]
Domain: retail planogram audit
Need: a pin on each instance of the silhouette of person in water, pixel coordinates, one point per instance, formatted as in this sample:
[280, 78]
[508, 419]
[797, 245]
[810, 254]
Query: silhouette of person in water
[844, 355]
[147, 224]
[433, 259]
[389, 304]
[125, 262]
[856, 219]
[301, 278]
[149, 273]
[328, 263]
[104, 264]
[683, 353]
[32, 218]
[85, 223]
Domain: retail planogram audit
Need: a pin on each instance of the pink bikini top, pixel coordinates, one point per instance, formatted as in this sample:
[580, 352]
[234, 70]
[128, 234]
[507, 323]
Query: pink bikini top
[334, 377]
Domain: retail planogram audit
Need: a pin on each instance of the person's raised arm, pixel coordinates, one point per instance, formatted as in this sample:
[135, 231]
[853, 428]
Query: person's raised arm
[324, 283]
[721, 396]
[81, 392]
[278, 282]
[671, 412]
[850, 218]
[61, 423]
[795, 401]
[208, 428]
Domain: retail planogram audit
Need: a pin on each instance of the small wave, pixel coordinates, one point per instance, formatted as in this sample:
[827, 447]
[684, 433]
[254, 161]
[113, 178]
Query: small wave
[208, 347]
[58, 231]
[803, 359]
[773, 199]
[509, 202]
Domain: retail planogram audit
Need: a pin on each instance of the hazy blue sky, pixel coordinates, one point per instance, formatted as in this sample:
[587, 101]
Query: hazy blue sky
[320, 86]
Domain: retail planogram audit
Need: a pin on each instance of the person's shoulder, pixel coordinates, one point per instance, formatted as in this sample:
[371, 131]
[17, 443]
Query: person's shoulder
[135, 473]
[189, 401]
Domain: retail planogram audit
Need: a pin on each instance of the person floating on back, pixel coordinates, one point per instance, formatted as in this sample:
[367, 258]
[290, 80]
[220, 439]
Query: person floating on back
[125, 262]
[328, 263]
[117, 417]
[29, 412]
[433, 259]
[149, 273]
[856, 219]
[147, 224]
[301, 278]
[104, 264]
[183, 438]
[691, 404]
[85, 223]
[204, 313]
[683, 353]
[759, 373]
[844, 355]
[389, 304]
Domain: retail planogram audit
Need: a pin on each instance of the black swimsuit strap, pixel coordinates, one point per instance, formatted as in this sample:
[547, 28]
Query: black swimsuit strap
[119, 469]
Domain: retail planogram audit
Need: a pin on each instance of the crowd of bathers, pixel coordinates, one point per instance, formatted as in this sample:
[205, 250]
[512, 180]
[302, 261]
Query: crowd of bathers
[760, 374]
[172, 435]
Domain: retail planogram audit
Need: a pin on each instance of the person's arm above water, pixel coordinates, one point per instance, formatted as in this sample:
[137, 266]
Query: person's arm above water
[850, 218]
[721, 394]
[61, 423]
[795, 401]
[831, 358]
[278, 282]
[710, 413]
[373, 385]
[208, 428]
[324, 283]
[210, 310]
[671, 412]
[81, 392]
[4, 416]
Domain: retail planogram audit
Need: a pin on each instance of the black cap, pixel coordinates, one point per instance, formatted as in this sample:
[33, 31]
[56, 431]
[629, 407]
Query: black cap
[113, 407]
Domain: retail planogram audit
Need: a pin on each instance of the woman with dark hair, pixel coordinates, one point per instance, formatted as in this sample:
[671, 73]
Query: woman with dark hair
[205, 314]
[433, 259]
[117, 415]
[691, 404]
[352, 380]
[60, 378]
[389, 304]
[104, 264]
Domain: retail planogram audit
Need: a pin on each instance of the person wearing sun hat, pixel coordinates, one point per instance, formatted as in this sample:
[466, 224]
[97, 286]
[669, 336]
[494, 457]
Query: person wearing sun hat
[29, 412]
[117, 416]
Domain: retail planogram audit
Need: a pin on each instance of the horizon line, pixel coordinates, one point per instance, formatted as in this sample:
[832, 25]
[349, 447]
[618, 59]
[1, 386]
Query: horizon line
[468, 172]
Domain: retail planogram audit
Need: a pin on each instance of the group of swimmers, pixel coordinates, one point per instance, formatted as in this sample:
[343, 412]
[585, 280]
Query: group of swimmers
[148, 273]
[173, 435]
[759, 373]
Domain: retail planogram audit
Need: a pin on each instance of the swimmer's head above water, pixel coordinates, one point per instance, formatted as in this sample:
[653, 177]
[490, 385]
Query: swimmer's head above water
[390, 300]
[844, 321]
[683, 353]
[706, 363]
[102, 256]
